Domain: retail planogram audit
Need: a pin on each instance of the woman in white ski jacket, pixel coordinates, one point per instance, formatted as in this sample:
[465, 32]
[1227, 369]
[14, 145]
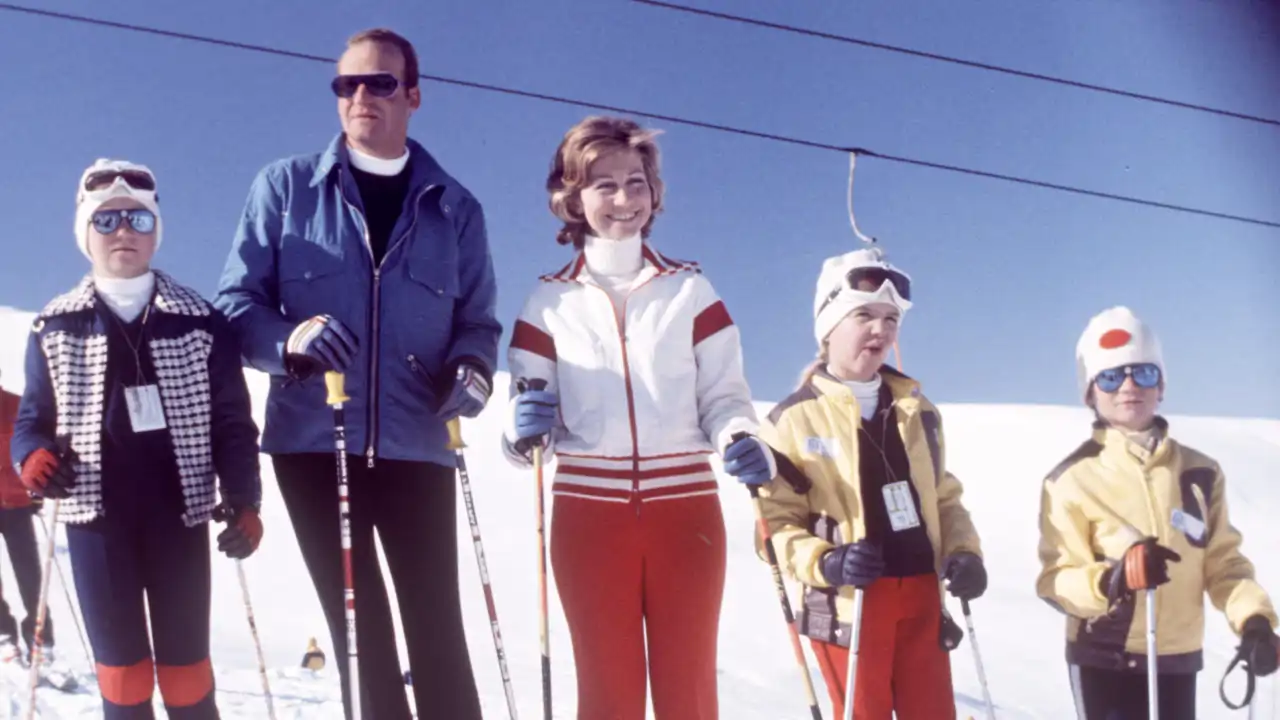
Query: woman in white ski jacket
[643, 378]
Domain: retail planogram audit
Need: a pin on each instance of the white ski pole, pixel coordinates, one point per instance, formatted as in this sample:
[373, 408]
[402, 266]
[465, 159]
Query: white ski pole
[1153, 696]
[257, 643]
[71, 604]
[41, 610]
[855, 634]
[977, 659]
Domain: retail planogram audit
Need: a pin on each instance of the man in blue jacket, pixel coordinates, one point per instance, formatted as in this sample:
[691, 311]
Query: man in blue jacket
[368, 258]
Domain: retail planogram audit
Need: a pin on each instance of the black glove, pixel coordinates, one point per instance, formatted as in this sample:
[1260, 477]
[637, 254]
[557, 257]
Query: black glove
[1145, 565]
[858, 564]
[1259, 646]
[965, 574]
[243, 533]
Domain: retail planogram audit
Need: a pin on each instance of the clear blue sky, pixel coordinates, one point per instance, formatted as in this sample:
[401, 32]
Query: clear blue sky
[1006, 275]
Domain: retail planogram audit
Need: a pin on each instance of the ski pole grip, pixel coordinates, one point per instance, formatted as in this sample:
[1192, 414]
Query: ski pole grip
[964, 606]
[524, 384]
[335, 383]
[454, 426]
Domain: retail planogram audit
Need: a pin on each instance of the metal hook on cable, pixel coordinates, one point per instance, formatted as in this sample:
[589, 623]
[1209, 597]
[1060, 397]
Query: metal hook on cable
[853, 160]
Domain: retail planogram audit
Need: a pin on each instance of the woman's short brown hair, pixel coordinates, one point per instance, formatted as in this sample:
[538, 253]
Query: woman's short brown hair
[582, 145]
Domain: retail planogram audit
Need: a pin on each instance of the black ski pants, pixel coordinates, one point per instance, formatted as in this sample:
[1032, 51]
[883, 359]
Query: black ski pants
[1110, 695]
[18, 527]
[413, 507]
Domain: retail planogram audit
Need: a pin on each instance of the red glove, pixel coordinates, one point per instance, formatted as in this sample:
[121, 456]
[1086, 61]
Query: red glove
[243, 533]
[45, 475]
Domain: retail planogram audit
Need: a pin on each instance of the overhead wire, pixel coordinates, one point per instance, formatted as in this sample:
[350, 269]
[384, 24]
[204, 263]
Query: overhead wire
[1042, 77]
[717, 127]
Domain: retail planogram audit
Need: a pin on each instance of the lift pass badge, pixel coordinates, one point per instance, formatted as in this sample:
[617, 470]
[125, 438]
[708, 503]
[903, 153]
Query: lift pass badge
[902, 509]
[145, 411]
[1189, 524]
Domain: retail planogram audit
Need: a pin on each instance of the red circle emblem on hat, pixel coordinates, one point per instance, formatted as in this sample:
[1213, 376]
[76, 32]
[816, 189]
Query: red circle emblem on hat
[1113, 339]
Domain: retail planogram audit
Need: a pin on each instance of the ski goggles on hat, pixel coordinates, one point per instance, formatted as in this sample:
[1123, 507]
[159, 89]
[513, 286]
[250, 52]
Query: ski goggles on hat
[378, 84]
[1145, 375]
[108, 221]
[877, 276]
[136, 179]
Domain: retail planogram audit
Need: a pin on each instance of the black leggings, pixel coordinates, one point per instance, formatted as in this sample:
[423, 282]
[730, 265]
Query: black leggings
[413, 506]
[1110, 695]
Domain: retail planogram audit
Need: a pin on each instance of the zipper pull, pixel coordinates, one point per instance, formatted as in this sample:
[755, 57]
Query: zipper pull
[369, 454]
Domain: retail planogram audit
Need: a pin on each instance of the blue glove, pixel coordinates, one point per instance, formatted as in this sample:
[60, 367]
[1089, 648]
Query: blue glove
[324, 342]
[965, 574]
[748, 459]
[468, 395]
[858, 564]
[533, 417]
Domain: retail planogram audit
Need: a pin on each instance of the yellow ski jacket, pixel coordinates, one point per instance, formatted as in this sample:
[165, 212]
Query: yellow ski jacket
[1112, 492]
[816, 502]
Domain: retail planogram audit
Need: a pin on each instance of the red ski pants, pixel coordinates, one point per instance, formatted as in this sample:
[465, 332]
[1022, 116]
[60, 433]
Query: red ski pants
[901, 666]
[641, 577]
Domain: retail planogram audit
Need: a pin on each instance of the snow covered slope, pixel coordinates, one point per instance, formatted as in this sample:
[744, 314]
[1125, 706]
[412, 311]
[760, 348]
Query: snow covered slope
[999, 452]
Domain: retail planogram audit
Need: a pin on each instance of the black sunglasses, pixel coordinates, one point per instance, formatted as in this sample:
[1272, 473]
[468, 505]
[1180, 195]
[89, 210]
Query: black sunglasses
[135, 179]
[107, 221]
[378, 84]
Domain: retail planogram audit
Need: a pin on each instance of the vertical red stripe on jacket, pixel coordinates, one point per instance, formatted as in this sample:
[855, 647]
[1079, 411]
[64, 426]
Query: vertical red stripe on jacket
[532, 339]
[711, 321]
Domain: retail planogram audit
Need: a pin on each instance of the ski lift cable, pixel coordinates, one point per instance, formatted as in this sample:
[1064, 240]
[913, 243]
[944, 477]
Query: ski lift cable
[785, 139]
[957, 61]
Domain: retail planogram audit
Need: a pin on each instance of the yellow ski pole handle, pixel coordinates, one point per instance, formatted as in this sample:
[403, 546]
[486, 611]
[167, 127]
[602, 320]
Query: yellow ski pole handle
[335, 383]
[454, 426]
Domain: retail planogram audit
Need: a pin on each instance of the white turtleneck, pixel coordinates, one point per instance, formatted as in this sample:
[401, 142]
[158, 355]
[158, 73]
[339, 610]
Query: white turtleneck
[126, 297]
[868, 394]
[614, 264]
[376, 165]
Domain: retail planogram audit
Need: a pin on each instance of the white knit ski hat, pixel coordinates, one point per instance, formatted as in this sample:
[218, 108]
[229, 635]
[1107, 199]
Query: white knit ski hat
[87, 202]
[835, 297]
[1115, 337]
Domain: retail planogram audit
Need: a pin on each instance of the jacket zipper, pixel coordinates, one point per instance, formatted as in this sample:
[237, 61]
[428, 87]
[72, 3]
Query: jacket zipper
[375, 315]
[620, 323]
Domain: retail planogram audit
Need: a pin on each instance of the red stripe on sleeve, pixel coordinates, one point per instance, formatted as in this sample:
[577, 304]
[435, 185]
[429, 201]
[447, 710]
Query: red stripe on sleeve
[711, 321]
[529, 338]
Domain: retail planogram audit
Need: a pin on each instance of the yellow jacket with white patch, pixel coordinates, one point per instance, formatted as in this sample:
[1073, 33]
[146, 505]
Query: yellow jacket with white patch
[1113, 492]
[816, 430]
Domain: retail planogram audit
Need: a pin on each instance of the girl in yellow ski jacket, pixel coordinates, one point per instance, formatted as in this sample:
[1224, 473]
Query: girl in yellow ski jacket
[864, 500]
[1134, 509]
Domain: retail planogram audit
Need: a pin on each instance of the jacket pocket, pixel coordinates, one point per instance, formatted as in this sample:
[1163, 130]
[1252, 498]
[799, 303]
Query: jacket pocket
[312, 282]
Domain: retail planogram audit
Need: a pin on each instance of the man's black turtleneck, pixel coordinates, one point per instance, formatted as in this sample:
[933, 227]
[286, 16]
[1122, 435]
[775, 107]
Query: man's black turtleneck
[383, 200]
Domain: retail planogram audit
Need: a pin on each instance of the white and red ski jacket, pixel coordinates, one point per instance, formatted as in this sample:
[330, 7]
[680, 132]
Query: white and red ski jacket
[646, 390]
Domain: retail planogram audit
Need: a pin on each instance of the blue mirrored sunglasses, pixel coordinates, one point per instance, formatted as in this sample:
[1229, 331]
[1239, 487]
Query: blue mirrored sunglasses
[1145, 375]
[107, 221]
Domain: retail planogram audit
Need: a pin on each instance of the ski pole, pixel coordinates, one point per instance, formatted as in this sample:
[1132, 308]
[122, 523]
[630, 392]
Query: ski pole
[793, 631]
[456, 444]
[257, 643]
[335, 384]
[855, 632]
[1153, 696]
[42, 609]
[977, 659]
[71, 604]
[538, 384]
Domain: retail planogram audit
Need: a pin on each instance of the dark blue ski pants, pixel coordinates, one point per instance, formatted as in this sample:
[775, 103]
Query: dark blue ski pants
[127, 573]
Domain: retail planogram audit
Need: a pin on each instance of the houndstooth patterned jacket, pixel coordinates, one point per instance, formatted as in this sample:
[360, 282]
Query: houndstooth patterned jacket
[200, 411]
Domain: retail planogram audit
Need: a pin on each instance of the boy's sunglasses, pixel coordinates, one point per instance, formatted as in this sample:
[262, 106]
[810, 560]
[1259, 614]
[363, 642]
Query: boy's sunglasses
[107, 221]
[135, 179]
[379, 84]
[1145, 375]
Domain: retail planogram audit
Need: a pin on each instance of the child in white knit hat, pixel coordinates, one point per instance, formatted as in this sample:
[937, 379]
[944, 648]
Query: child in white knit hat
[1131, 515]
[135, 417]
[864, 506]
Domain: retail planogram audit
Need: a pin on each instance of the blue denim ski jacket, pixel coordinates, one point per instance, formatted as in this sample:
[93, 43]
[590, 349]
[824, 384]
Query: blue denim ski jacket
[300, 250]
